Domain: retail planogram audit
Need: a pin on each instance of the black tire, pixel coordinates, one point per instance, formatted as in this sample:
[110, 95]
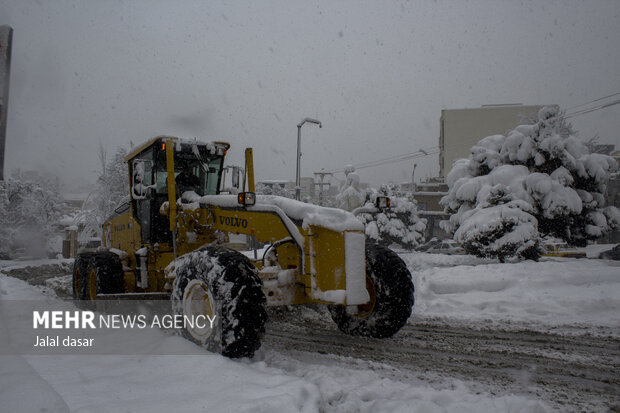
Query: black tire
[109, 273]
[97, 272]
[80, 275]
[391, 297]
[233, 292]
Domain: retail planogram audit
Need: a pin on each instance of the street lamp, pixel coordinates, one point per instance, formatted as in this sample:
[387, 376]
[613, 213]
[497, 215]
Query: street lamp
[297, 178]
[412, 181]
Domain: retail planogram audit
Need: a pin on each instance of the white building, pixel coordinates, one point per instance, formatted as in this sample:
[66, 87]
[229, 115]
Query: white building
[460, 129]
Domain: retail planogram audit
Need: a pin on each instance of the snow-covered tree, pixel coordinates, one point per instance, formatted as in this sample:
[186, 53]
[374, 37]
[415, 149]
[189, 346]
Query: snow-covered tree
[28, 213]
[351, 196]
[275, 189]
[499, 226]
[112, 187]
[546, 166]
[400, 225]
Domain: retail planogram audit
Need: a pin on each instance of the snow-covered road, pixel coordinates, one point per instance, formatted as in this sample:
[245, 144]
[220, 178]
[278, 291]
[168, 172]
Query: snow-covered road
[569, 372]
[484, 336]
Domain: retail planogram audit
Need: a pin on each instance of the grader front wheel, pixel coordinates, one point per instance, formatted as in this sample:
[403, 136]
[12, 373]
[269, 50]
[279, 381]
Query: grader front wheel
[389, 285]
[220, 286]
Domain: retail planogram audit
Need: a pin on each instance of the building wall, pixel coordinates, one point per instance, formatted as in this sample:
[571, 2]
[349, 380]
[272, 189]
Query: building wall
[460, 129]
[429, 201]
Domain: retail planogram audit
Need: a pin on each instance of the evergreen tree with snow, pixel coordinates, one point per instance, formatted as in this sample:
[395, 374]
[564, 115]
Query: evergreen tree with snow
[546, 166]
[399, 225]
[500, 226]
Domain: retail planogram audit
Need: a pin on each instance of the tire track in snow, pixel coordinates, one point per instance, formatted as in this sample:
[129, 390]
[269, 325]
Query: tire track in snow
[570, 372]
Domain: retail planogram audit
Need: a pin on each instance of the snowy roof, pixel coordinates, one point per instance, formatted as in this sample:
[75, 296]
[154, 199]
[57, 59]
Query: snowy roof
[150, 142]
[430, 193]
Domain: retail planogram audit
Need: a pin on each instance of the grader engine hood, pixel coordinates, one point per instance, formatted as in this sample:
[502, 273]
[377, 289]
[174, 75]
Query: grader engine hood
[330, 242]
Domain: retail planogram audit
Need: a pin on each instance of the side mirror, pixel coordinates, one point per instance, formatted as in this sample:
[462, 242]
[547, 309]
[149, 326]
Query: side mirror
[235, 176]
[142, 178]
[246, 198]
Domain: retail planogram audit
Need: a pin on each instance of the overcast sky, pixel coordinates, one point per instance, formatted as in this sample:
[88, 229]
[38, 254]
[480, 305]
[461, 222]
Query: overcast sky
[376, 73]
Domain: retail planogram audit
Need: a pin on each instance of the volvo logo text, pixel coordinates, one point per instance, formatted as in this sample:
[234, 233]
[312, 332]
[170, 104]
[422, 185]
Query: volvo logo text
[234, 222]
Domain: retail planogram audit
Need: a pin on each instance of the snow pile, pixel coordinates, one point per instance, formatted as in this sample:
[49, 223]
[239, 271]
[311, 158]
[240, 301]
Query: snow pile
[581, 293]
[544, 167]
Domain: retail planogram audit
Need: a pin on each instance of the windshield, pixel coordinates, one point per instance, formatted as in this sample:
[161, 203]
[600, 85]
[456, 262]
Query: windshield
[201, 177]
[194, 170]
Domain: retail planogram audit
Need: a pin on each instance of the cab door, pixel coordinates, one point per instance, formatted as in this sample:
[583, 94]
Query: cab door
[142, 194]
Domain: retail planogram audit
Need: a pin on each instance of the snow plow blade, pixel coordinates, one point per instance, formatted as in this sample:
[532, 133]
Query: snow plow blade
[134, 296]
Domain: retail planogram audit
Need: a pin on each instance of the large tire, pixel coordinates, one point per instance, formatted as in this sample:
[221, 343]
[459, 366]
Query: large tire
[109, 273]
[217, 281]
[80, 275]
[95, 273]
[391, 297]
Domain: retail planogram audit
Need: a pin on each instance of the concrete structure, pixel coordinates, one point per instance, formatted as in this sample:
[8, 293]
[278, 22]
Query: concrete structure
[460, 129]
[427, 195]
[612, 197]
[6, 42]
[306, 184]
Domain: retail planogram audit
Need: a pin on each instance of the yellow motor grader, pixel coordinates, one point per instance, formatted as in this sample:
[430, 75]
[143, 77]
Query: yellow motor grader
[168, 240]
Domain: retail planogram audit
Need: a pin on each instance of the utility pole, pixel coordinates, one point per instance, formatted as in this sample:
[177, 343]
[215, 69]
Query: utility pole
[297, 177]
[321, 175]
[6, 41]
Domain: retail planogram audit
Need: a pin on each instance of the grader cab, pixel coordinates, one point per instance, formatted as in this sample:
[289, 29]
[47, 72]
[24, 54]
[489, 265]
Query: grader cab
[168, 241]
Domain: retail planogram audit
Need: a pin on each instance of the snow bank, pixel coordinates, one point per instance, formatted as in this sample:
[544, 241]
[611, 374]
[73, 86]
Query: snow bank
[551, 293]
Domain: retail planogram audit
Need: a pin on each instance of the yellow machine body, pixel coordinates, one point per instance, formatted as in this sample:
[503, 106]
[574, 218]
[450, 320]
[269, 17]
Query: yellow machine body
[308, 261]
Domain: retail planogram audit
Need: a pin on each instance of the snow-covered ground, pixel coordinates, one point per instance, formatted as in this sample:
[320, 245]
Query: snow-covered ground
[550, 294]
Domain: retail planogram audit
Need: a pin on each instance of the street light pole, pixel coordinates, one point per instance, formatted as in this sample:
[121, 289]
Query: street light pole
[412, 180]
[297, 177]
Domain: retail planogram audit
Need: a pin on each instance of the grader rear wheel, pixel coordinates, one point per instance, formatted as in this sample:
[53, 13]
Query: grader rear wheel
[97, 272]
[80, 271]
[389, 285]
[91, 286]
[221, 285]
[109, 278]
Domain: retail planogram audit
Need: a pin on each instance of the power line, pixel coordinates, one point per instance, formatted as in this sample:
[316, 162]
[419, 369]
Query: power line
[393, 159]
[594, 101]
[599, 107]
